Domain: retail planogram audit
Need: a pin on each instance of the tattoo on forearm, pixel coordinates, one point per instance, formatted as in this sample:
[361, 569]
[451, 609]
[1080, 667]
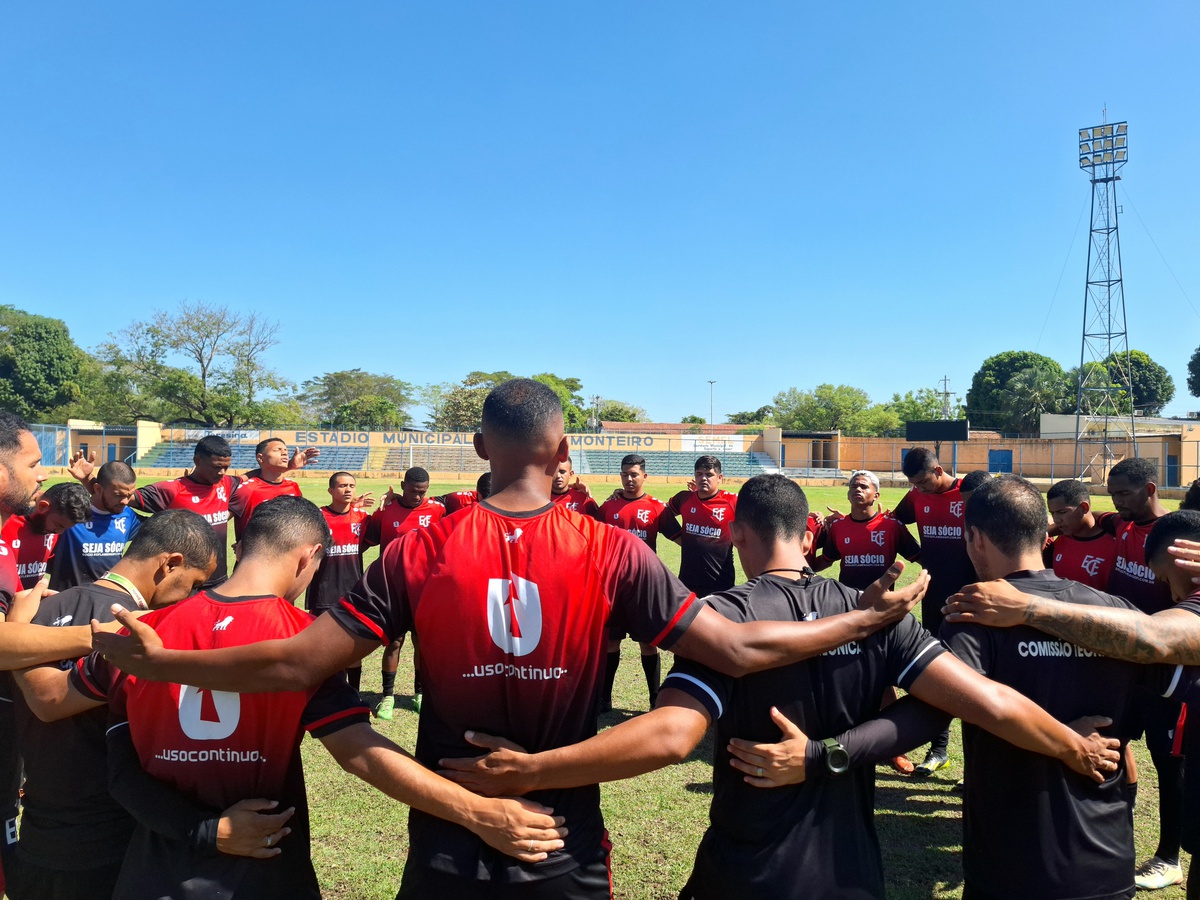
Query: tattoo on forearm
[1120, 634]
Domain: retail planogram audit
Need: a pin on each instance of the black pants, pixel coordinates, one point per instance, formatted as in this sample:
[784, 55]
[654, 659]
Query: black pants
[30, 882]
[592, 881]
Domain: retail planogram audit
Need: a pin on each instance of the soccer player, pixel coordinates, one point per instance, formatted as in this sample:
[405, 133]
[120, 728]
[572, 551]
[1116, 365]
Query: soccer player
[342, 564]
[706, 563]
[644, 516]
[32, 537]
[456, 500]
[935, 505]
[86, 551]
[811, 840]
[512, 600]
[267, 481]
[1191, 500]
[397, 515]
[73, 833]
[573, 495]
[1086, 546]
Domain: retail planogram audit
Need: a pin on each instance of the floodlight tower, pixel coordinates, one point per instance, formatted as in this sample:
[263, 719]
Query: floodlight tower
[1104, 410]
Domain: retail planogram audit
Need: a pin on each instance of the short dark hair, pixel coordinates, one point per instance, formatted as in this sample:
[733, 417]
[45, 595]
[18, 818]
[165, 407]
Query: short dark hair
[521, 409]
[12, 427]
[115, 472]
[416, 475]
[177, 531]
[1011, 512]
[282, 524]
[773, 507]
[1183, 523]
[708, 462]
[1071, 491]
[918, 461]
[972, 480]
[263, 445]
[212, 445]
[1191, 500]
[1137, 470]
[632, 459]
[336, 475]
[483, 487]
[70, 499]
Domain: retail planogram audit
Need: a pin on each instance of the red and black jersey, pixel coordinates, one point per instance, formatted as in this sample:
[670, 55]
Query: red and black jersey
[868, 548]
[1131, 577]
[31, 549]
[218, 747]
[512, 611]
[1086, 560]
[208, 500]
[342, 565]
[252, 493]
[577, 500]
[10, 581]
[939, 520]
[644, 518]
[706, 563]
[458, 500]
[394, 519]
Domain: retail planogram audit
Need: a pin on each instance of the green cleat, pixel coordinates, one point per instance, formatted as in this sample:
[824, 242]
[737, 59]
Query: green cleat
[416, 703]
[384, 708]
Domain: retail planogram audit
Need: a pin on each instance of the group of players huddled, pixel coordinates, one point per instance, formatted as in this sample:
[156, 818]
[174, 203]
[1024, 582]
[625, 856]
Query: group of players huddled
[155, 754]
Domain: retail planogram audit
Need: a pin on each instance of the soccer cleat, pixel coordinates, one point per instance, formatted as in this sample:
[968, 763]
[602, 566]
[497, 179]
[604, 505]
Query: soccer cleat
[902, 764]
[384, 708]
[416, 702]
[1156, 873]
[933, 762]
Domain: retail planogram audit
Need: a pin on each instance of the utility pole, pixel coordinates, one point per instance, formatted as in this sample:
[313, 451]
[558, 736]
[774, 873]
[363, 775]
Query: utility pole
[711, 424]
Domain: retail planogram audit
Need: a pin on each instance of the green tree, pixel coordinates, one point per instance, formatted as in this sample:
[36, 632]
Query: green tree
[1103, 395]
[986, 399]
[1193, 379]
[328, 396]
[39, 364]
[567, 389]
[760, 416]
[618, 411]
[831, 407]
[924, 405]
[1030, 393]
[368, 411]
[461, 407]
[693, 420]
[1152, 385]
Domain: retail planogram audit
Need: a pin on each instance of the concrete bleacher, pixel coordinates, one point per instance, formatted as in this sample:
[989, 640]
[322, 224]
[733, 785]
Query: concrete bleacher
[434, 458]
[167, 455]
[664, 462]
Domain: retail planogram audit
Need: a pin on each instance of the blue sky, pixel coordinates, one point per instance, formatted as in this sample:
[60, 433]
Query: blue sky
[642, 195]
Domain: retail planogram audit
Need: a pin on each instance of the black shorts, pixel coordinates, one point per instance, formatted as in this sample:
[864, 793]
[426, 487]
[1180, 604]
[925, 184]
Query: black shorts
[592, 881]
[30, 882]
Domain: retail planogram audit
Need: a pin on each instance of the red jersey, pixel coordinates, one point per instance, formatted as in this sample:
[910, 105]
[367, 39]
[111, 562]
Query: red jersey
[706, 563]
[1088, 561]
[512, 612]
[645, 518]
[252, 493]
[1130, 577]
[10, 582]
[208, 500]
[31, 549]
[342, 565]
[390, 521]
[939, 519]
[458, 500]
[577, 500]
[868, 548]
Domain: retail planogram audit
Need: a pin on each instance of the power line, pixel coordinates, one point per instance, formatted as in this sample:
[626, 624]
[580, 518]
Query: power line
[1125, 191]
[1074, 234]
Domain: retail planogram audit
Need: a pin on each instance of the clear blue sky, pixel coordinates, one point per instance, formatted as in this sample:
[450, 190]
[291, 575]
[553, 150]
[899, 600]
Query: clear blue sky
[642, 195]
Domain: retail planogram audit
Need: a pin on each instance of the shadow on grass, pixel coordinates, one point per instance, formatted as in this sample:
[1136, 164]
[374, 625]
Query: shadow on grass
[922, 861]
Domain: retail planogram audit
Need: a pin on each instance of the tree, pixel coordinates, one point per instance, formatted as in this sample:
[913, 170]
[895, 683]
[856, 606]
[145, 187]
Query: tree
[833, 408]
[923, 406]
[368, 411]
[986, 399]
[461, 406]
[328, 397]
[693, 420]
[617, 411]
[1152, 385]
[1030, 393]
[39, 363]
[760, 416]
[1103, 395]
[567, 389]
[1193, 380]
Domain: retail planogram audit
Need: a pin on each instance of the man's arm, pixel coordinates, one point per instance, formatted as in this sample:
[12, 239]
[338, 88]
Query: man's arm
[953, 686]
[1171, 636]
[738, 649]
[23, 645]
[302, 661]
[50, 695]
[519, 828]
[665, 735]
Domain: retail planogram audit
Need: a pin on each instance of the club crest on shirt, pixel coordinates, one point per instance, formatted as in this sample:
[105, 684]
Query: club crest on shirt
[643, 516]
[356, 529]
[1091, 564]
[719, 515]
[222, 494]
[956, 509]
[514, 614]
[877, 538]
[119, 524]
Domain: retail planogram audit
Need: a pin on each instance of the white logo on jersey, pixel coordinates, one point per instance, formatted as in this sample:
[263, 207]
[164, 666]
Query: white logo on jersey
[119, 524]
[643, 516]
[845, 540]
[956, 509]
[927, 509]
[223, 624]
[1091, 564]
[356, 529]
[878, 537]
[195, 499]
[719, 515]
[693, 509]
[514, 615]
[514, 537]
[15, 543]
[61, 620]
[227, 707]
[49, 541]
[425, 520]
[221, 494]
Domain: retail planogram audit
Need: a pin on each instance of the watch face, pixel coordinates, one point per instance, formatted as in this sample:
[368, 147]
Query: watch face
[838, 760]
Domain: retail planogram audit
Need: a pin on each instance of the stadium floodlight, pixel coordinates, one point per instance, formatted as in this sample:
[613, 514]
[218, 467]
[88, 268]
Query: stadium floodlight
[1103, 149]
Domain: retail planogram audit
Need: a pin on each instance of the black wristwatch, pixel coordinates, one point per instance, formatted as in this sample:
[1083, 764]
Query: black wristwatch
[837, 760]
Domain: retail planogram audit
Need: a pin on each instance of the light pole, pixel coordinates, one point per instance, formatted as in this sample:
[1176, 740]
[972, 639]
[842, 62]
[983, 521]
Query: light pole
[711, 431]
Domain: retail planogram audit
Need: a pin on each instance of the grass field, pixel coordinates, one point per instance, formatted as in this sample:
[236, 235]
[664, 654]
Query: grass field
[360, 837]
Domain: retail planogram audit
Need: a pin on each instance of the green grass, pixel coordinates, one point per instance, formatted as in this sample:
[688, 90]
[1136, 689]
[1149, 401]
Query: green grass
[360, 837]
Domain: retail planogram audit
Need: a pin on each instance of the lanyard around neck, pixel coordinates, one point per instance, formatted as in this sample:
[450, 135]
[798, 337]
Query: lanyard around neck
[129, 586]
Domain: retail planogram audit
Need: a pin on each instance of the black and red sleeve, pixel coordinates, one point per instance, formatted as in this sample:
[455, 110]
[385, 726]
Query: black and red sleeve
[154, 498]
[93, 676]
[333, 706]
[675, 504]
[650, 603]
[376, 608]
[829, 547]
[905, 511]
[668, 525]
[906, 545]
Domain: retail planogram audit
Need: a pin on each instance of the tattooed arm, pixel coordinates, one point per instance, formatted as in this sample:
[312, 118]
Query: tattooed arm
[1171, 636]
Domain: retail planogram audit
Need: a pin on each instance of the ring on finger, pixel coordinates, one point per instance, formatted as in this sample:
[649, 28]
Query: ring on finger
[760, 772]
[268, 840]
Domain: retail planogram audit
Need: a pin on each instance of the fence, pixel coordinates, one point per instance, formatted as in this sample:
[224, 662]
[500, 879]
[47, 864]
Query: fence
[55, 443]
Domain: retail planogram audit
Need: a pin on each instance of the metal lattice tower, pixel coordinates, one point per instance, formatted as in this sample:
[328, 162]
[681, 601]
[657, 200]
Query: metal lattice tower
[1104, 407]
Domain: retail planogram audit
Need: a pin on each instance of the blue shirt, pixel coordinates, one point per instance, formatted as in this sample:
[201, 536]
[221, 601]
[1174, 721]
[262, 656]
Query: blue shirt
[88, 550]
